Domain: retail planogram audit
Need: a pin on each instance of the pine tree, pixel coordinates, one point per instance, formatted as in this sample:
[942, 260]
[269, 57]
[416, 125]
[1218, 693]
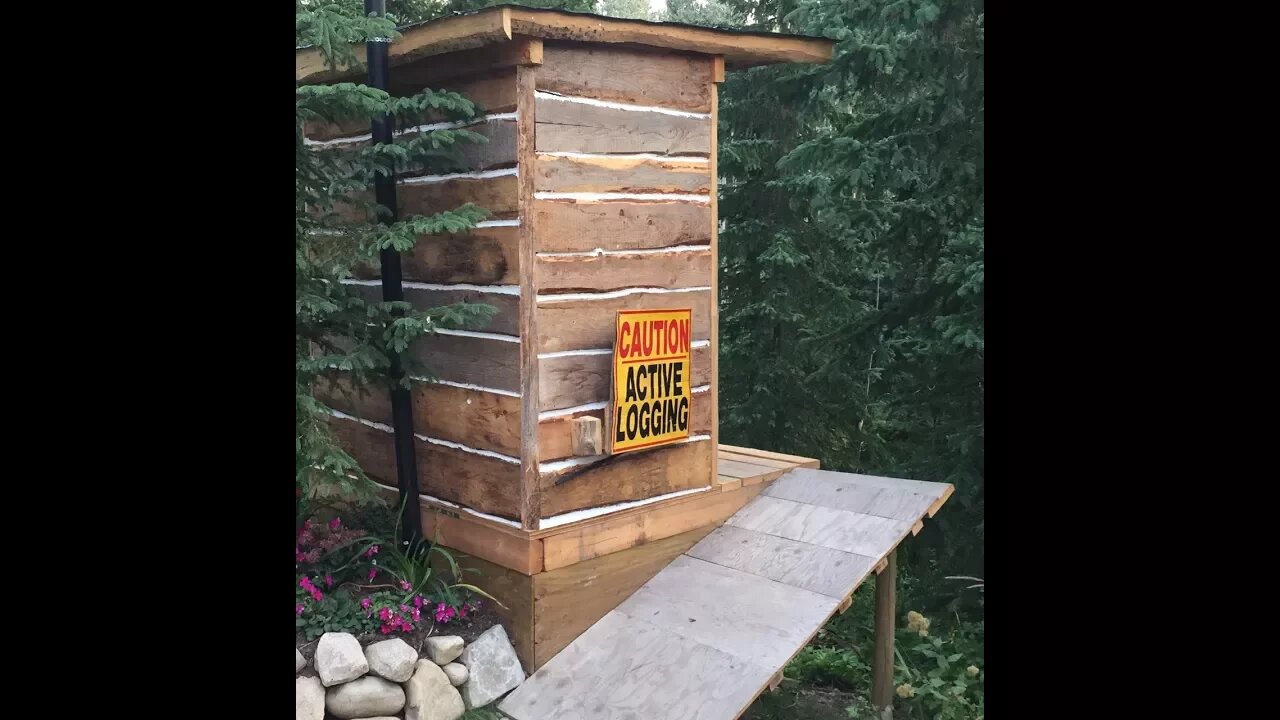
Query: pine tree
[851, 277]
[337, 228]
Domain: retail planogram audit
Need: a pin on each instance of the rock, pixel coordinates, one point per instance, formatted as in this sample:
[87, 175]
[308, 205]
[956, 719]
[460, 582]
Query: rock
[391, 659]
[430, 696]
[456, 672]
[493, 666]
[367, 697]
[299, 662]
[444, 649]
[339, 658]
[308, 698]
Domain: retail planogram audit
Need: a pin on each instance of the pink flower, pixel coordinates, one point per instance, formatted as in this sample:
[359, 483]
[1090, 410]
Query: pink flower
[335, 523]
[365, 603]
[417, 601]
[404, 585]
[328, 580]
[299, 557]
[385, 629]
[317, 595]
[384, 614]
[444, 613]
[372, 572]
[373, 550]
[417, 614]
[462, 612]
[404, 608]
[305, 583]
[408, 626]
[299, 608]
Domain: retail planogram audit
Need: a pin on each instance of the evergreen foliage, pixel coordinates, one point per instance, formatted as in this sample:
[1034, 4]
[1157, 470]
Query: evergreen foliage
[852, 246]
[335, 328]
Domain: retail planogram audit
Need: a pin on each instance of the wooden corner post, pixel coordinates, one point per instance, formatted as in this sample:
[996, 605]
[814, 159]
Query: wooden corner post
[882, 663]
[717, 77]
[530, 493]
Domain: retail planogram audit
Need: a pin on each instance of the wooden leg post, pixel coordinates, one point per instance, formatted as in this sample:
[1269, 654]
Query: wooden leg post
[882, 663]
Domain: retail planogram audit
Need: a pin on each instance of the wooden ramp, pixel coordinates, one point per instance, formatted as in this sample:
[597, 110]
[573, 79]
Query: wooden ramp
[705, 636]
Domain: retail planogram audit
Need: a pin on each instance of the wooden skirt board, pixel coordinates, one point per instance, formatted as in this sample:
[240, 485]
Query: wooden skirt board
[710, 631]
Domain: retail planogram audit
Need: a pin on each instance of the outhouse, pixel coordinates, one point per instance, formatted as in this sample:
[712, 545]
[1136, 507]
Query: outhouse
[599, 175]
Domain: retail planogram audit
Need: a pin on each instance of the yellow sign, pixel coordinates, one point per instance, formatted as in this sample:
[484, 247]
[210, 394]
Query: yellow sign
[651, 376]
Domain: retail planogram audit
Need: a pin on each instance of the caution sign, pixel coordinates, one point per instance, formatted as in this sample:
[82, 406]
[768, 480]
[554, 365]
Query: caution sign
[651, 391]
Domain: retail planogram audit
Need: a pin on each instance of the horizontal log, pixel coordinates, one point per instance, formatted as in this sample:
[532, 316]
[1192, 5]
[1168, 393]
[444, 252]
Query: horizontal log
[569, 226]
[492, 91]
[613, 272]
[632, 76]
[572, 380]
[621, 174]
[478, 419]
[624, 478]
[471, 360]
[582, 324]
[483, 256]
[577, 127]
[498, 152]
[555, 434]
[447, 70]
[506, 321]
[476, 481]
[495, 194]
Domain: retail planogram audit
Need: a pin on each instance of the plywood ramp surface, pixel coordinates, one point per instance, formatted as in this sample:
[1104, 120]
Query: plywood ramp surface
[707, 634]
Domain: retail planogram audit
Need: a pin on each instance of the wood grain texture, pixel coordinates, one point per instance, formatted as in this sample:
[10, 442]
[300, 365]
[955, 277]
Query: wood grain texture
[837, 529]
[506, 321]
[590, 323]
[739, 49]
[498, 152]
[714, 90]
[609, 174]
[455, 70]
[624, 478]
[461, 533]
[569, 226]
[475, 361]
[747, 616]
[555, 434]
[498, 195]
[818, 569]
[734, 468]
[886, 612]
[569, 600]
[476, 481]
[493, 90]
[573, 380]
[611, 534]
[803, 462]
[623, 668]
[919, 487]
[752, 460]
[626, 75]
[482, 420]
[577, 127]
[615, 272]
[530, 481]
[460, 33]
[482, 256]
[840, 491]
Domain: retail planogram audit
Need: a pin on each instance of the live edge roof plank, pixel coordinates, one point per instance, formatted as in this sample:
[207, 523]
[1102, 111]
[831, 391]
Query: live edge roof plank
[503, 22]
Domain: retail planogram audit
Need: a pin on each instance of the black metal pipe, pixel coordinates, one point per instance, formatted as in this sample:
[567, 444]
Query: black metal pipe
[384, 191]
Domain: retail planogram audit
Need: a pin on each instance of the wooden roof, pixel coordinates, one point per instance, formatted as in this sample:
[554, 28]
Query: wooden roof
[502, 22]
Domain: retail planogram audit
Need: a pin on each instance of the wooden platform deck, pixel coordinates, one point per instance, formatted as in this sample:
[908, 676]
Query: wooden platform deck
[708, 633]
[560, 544]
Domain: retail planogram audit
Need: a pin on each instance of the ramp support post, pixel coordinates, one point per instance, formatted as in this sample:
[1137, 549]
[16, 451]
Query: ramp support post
[882, 662]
